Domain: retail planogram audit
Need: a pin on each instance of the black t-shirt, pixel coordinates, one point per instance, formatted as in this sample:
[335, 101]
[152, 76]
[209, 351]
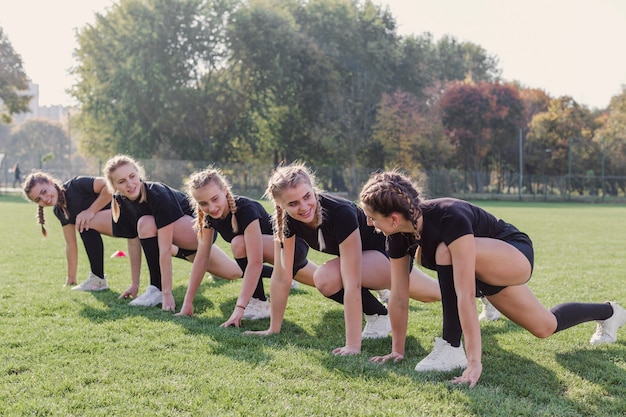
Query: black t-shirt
[340, 218]
[248, 210]
[444, 220]
[163, 202]
[79, 196]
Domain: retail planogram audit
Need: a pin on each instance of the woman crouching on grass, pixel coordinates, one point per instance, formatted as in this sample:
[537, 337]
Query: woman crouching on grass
[338, 227]
[82, 205]
[471, 250]
[161, 217]
[246, 225]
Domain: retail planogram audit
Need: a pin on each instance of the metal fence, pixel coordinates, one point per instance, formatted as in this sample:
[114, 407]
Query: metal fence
[251, 180]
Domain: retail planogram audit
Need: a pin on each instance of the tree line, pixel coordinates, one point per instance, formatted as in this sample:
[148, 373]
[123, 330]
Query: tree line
[327, 82]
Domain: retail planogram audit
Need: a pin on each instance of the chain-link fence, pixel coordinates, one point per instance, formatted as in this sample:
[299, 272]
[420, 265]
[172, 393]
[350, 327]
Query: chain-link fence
[251, 180]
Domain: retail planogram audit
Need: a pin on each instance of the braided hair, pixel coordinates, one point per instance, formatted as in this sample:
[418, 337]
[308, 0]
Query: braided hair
[40, 177]
[110, 167]
[283, 178]
[203, 178]
[389, 192]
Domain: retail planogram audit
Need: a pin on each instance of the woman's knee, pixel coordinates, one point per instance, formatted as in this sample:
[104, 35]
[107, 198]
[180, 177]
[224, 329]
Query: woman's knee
[326, 281]
[146, 227]
[238, 247]
[442, 255]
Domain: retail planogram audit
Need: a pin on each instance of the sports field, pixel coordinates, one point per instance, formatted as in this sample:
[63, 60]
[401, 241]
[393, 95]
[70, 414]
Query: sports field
[66, 353]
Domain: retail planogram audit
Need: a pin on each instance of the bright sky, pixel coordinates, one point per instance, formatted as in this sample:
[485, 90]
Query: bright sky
[565, 47]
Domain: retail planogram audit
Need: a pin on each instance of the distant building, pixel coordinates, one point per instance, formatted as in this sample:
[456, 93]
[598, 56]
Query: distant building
[55, 113]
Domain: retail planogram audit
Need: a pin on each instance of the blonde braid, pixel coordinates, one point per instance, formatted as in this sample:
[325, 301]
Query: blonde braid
[115, 209]
[233, 209]
[319, 218]
[279, 223]
[62, 201]
[42, 221]
[199, 224]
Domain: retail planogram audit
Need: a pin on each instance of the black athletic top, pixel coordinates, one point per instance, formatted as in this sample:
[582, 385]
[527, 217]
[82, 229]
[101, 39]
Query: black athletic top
[340, 218]
[79, 196]
[445, 220]
[163, 202]
[248, 210]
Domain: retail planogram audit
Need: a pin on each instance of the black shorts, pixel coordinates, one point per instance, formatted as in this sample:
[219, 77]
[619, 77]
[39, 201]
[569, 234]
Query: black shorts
[300, 255]
[511, 235]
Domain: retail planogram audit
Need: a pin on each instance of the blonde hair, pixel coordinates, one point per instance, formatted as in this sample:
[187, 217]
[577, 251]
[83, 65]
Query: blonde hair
[389, 192]
[40, 177]
[283, 178]
[110, 167]
[203, 178]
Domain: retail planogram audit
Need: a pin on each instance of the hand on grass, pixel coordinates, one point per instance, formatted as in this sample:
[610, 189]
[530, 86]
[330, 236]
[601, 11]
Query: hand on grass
[185, 310]
[235, 318]
[168, 302]
[470, 375]
[346, 351]
[69, 282]
[131, 292]
[267, 332]
[395, 356]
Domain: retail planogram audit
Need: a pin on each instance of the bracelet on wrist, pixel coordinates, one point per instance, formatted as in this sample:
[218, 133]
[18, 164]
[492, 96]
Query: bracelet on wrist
[240, 306]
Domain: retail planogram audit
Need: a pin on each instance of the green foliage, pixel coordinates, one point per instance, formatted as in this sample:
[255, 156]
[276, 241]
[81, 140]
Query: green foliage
[70, 353]
[40, 144]
[481, 118]
[13, 81]
[237, 81]
[612, 136]
[144, 71]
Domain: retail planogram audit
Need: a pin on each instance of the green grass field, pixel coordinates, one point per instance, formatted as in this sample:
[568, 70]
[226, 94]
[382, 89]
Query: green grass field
[65, 353]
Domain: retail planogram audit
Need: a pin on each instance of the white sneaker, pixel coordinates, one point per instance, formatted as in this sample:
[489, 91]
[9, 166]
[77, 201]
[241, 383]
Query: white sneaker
[606, 330]
[383, 295]
[151, 298]
[257, 310]
[294, 284]
[444, 357]
[489, 312]
[376, 327]
[93, 283]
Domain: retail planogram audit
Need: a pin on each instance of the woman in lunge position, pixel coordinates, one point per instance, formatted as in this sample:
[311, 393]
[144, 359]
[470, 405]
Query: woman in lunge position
[161, 217]
[246, 225]
[338, 227]
[81, 204]
[472, 251]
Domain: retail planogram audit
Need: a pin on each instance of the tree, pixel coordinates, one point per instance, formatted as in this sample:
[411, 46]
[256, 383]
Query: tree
[566, 130]
[283, 73]
[145, 78]
[40, 144]
[463, 60]
[13, 81]
[611, 137]
[360, 44]
[480, 118]
[410, 134]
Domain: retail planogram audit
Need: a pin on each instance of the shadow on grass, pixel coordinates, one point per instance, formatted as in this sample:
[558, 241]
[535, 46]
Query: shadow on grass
[604, 367]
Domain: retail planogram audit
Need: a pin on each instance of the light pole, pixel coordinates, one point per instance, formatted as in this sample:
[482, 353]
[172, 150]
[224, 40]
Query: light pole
[603, 166]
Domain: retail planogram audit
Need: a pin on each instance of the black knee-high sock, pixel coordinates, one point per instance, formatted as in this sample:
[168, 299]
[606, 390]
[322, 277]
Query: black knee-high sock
[95, 251]
[451, 322]
[571, 314]
[151, 251]
[370, 304]
[267, 270]
[259, 291]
